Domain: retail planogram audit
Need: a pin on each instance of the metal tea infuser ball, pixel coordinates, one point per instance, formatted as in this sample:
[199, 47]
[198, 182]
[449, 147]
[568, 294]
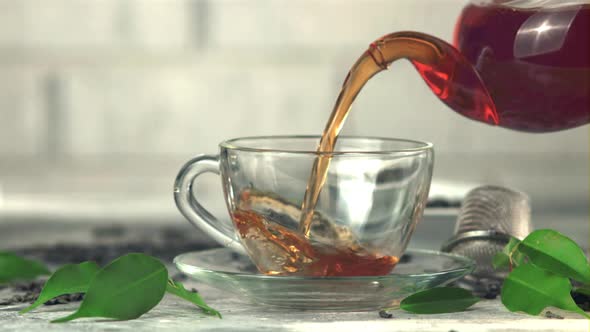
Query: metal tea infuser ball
[488, 217]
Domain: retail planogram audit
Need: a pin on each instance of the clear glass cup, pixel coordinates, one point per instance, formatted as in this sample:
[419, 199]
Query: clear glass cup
[373, 196]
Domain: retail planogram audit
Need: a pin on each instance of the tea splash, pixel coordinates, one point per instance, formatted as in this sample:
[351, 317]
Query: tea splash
[296, 255]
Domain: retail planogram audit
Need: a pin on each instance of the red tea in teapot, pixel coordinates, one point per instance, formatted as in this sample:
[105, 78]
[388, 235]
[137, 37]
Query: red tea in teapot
[534, 62]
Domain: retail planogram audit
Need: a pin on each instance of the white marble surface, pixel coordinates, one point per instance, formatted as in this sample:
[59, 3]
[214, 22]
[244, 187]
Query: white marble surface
[174, 315]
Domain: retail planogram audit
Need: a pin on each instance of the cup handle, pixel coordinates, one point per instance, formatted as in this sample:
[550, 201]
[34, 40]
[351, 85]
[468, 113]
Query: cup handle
[184, 189]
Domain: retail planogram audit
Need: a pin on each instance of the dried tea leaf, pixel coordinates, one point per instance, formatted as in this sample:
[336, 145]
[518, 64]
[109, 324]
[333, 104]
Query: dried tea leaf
[176, 288]
[531, 289]
[13, 267]
[583, 290]
[125, 289]
[69, 279]
[552, 251]
[439, 300]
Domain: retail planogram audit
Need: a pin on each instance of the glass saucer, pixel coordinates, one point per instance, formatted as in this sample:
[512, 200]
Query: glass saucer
[417, 270]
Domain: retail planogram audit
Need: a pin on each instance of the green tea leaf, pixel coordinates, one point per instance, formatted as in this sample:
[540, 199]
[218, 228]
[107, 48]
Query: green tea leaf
[13, 267]
[176, 288]
[439, 300]
[70, 278]
[531, 289]
[555, 252]
[125, 289]
[500, 260]
[510, 254]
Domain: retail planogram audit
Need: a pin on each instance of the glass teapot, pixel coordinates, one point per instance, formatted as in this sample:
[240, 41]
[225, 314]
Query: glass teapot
[519, 64]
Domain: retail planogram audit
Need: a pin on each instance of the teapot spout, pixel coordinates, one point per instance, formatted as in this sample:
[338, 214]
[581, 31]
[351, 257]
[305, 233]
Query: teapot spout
[446, 72]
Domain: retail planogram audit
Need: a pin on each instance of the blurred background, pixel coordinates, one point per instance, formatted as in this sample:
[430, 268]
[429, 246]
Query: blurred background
[102, 101]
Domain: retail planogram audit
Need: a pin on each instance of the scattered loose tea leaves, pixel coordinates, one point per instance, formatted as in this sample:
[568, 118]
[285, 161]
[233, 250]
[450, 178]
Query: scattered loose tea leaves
[113, 241]
[176, 288]
[31, 289]
[69, 279]
[584, 289]
[66, 298]
[28, 286]
[385, 314]
[439, 300]
[125, 289]
[582, 298]
[550, 314]
[15, 299]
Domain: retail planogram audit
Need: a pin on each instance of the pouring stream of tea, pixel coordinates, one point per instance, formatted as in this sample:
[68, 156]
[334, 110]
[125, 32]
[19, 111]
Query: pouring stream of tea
[446, 72]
